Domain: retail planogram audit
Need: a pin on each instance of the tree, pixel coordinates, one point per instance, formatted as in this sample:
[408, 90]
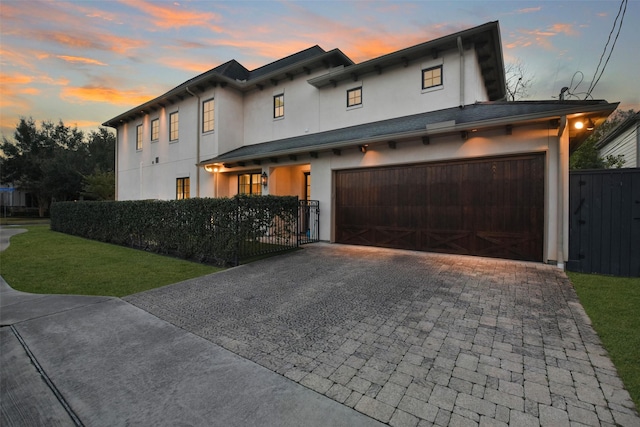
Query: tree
[587, 155]
[517, 80]
[53, 162]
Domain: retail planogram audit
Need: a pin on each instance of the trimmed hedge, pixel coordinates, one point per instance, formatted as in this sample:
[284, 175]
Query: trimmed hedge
[221, 231]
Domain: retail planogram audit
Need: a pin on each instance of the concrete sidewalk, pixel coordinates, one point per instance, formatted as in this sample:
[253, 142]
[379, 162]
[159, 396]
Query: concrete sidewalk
[99, 361]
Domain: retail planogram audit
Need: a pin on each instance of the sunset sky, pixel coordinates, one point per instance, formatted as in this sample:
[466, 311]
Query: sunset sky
[85, 62]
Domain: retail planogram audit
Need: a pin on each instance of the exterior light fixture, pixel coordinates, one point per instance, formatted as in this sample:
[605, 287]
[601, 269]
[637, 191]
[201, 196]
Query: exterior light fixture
[578, 124]
[363, 148]
[590, 125]
[264, 179]
[211, 168]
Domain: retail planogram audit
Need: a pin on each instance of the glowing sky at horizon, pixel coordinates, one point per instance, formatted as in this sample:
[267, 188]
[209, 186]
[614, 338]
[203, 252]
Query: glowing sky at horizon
[84, 62]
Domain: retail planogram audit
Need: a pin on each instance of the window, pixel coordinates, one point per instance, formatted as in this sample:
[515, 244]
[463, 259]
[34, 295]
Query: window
[278, 106]
[354, 97]
[173, 126]
[139, 137]
[155, 129]
[208, 120]
[249, 183]
[432, 77]
[182, 188]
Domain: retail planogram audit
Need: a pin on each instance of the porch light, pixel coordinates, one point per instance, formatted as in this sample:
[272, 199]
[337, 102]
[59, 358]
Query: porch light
[363, 148]
[211, 168]
[264, 179]
[578, 124]
[590, 125]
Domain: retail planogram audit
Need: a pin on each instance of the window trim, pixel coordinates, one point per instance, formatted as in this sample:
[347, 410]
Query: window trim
[213, 118]
[156, 120]
[277, 108]
[349, 91]
[139, 138]
[186, 189]
[171, 115]
[432, 87]
[258, 175]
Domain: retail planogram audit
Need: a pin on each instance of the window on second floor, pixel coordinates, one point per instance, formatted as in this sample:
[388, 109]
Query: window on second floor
[278, 106]
[183, 190]
[354, 97]
[155, 129]
[208, 120]
[139, 137]
[432, 77]
[249, 183]
[173, 126]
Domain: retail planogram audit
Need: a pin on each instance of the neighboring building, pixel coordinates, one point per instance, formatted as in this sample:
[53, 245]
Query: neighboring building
[623, 140]
[416, 149]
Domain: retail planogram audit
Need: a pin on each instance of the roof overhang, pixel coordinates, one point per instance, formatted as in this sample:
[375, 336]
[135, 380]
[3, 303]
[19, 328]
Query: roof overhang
[476, 117]
[485, 39]
[212, 78]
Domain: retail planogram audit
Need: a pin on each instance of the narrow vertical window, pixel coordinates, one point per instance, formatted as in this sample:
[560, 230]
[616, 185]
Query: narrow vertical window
[432, 77]
[354, 97]
[173, 126]
[208, 120]
[155, 129]
[278, 106]
[183, 190]
[139, 137]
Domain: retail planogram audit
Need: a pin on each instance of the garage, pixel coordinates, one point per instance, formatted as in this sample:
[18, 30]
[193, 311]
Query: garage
[490, 207]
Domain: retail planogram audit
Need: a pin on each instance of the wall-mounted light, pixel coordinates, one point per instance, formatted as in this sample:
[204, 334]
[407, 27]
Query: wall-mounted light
[363, 148]
[211, 168]
[264, 178]
[578, 124]
[590, 125]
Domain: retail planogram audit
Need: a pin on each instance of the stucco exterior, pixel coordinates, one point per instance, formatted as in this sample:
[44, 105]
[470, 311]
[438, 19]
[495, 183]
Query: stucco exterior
[248, 139]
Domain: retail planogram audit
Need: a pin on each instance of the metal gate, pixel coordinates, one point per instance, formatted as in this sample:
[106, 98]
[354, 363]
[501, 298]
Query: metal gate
[604, 221]
[308, 221]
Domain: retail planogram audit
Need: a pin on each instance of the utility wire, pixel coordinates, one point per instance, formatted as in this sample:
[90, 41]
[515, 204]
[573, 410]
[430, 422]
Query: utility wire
[595, 81]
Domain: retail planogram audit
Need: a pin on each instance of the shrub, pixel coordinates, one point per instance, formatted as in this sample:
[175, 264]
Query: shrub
[221, 231]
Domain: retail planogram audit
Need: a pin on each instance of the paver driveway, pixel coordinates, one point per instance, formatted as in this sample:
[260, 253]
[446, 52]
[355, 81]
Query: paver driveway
[411, 338]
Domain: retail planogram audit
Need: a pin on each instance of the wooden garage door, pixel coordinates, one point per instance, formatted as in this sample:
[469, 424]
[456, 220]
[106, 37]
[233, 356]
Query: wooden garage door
[490, 207]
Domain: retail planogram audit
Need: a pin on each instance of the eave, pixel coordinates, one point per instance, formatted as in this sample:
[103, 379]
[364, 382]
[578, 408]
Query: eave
[205, 81]
[477, 117]
[485, 39]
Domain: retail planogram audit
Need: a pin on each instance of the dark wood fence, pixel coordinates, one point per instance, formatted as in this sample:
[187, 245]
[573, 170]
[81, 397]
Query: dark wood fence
[604, 233]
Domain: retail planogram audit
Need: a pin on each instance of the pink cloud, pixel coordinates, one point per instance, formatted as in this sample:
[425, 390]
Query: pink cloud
[172, 15]
[103, 94]
[80, 60]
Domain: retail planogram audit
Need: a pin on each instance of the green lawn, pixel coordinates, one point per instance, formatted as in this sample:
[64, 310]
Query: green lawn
[613, 305]
[44, 261]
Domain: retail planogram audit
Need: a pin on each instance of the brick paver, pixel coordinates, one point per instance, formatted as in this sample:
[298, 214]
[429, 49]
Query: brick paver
[411, 338]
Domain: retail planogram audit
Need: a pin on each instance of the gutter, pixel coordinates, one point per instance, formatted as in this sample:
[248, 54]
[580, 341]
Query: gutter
[461, 50]
[197, 141]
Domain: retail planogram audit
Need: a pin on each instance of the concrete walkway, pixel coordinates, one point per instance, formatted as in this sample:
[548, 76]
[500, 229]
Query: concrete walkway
[97, 361]
[401, 337]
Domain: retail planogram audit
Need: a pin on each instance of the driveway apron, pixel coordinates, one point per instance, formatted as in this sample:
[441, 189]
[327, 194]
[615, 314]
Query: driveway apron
[411, 338]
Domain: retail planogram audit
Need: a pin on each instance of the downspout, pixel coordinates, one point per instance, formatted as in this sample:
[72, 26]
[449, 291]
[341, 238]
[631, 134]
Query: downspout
[461, 50]
[197, 142]
[115, 165]
[560, 199]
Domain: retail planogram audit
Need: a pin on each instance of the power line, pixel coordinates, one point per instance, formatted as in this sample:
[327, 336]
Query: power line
[595, 81]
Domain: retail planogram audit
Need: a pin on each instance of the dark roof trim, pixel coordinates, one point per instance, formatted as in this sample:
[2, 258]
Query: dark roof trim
[230, 73]
[476, 116]
[619, 130]
[485, 39]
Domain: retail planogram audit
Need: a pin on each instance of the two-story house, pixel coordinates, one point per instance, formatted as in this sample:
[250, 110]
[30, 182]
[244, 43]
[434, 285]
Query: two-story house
[623, 141]
[416, 149]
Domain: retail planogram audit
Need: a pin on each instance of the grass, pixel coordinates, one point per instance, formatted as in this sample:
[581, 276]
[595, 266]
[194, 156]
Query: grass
[23, 221]
[613, 305]
[47, 262]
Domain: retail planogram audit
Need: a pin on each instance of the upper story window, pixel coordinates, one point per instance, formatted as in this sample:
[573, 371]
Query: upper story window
[183, 189]
[249, 183]
[208, 120]
[139, 137]
[155, 129]
[354, 97]
[432, 77]
[173, 126]
[278, 106]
